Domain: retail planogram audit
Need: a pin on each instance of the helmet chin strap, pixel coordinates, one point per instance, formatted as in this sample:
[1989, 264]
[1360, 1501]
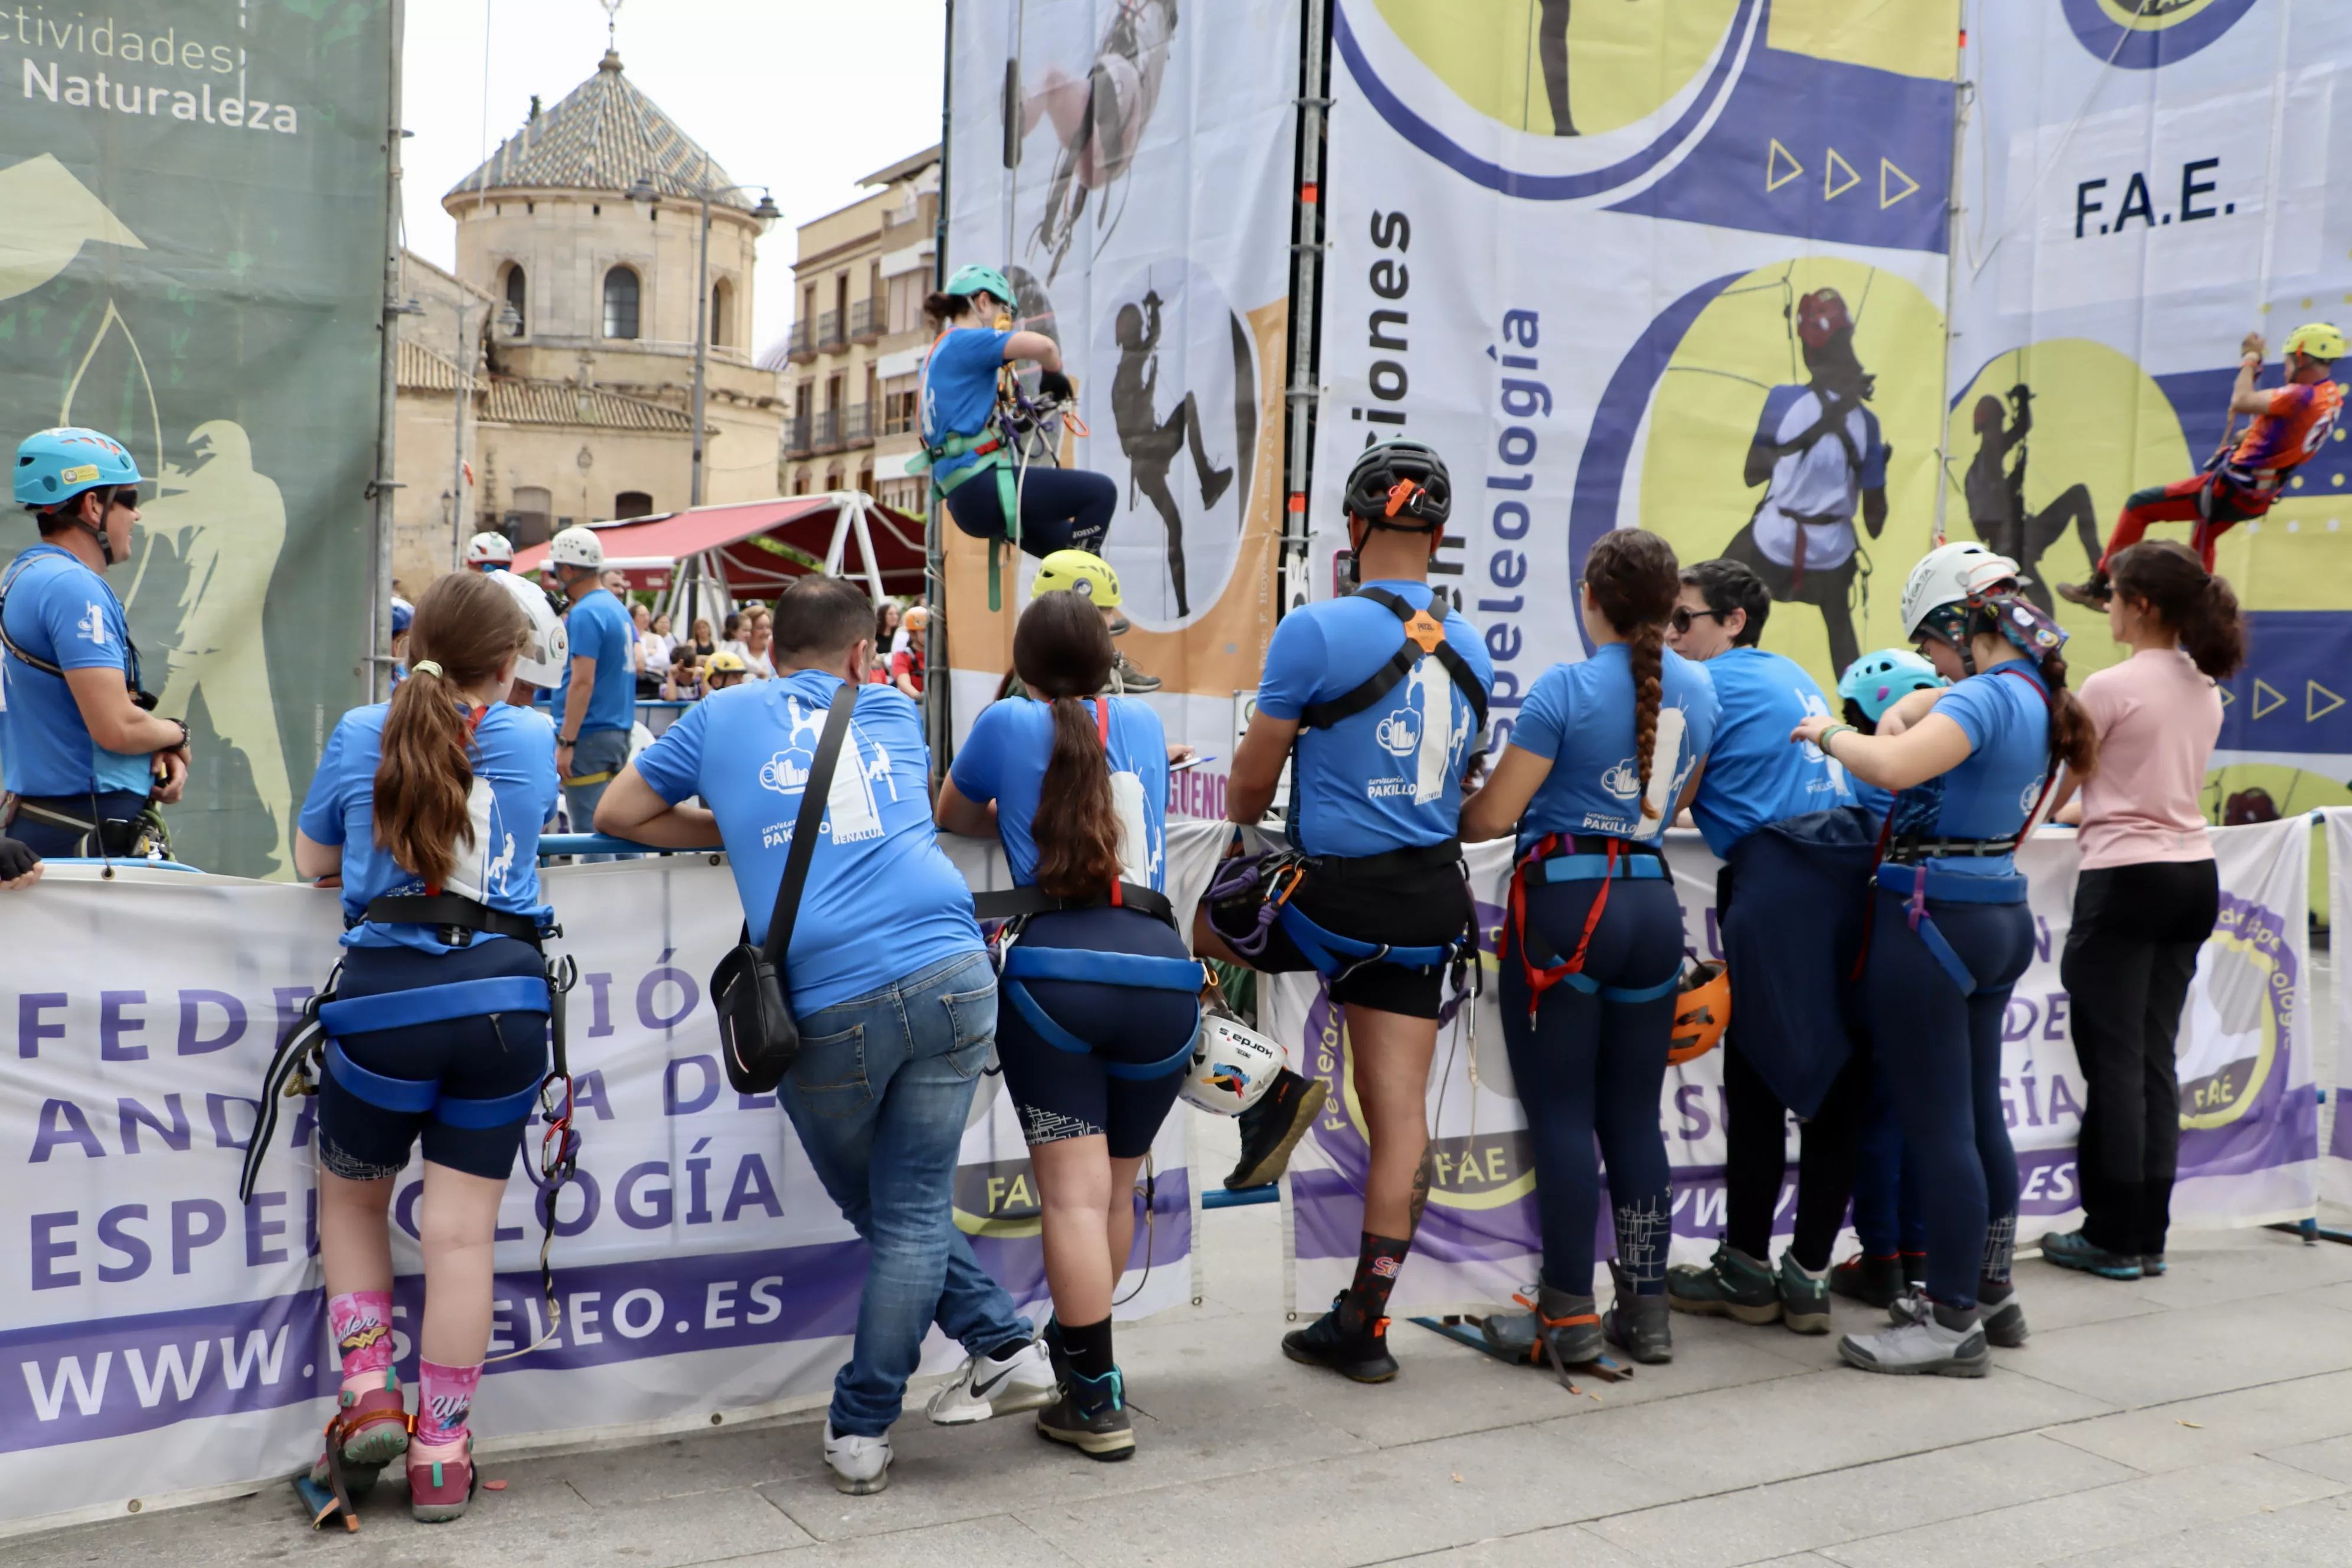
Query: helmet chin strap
[97, 532]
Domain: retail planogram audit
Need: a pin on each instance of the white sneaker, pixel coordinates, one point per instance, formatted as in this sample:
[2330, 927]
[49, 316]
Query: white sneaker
[859, 1464]
[1922, 1346]
[986, 1386]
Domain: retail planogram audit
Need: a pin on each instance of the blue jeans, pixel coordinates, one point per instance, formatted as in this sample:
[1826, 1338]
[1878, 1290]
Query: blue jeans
[598, 751]
[879, 1096]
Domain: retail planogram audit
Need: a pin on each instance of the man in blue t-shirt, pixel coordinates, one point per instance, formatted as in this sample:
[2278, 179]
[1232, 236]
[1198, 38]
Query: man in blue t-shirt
[86, 754]
[1755, 777]
[894, 1033]
[597, 702]
[1377, 701]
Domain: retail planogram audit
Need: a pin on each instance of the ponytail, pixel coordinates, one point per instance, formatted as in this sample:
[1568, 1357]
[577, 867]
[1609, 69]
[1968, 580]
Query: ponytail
[1636, 580]
[1062, 652]
[465, 629]
[2073, 737]
[2198, 607]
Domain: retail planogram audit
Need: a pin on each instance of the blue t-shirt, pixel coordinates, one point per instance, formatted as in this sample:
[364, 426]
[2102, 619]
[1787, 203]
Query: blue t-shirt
[600, 630]
[1990, 796]
[513, 793]
[960, 388]
[882, 900]
[1004, 760]
[1581, 716]
[1390, 776]
[61, 610]
[1754, 775]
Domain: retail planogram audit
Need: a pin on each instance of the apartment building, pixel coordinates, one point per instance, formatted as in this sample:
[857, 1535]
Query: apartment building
[857, 339]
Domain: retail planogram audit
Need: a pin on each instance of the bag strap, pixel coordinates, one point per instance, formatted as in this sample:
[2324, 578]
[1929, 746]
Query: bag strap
[805, 825]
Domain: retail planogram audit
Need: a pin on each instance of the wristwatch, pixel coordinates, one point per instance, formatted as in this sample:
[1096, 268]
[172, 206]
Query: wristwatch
[183, 745]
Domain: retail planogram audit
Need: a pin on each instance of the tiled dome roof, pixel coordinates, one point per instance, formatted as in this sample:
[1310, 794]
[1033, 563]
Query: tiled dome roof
[602, 136]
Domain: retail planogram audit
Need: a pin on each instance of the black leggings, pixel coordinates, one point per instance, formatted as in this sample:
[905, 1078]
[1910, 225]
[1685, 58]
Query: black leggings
[1941, 1053]
[2130, 955]
[1756, 1152]
[1061, 509]
[1589, 1067]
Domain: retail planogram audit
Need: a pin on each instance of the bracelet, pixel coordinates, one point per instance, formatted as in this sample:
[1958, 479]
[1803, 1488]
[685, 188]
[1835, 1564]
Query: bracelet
[185, 746]
[1823, 744]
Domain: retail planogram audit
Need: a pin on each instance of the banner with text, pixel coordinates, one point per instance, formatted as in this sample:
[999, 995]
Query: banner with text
[2249, 1105]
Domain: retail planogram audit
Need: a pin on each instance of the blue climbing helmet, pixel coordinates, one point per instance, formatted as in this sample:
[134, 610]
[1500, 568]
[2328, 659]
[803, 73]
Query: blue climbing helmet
[978, 280]
[1877, 681]
[54, 466]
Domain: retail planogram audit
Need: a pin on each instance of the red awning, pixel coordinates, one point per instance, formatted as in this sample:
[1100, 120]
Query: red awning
[761, 545]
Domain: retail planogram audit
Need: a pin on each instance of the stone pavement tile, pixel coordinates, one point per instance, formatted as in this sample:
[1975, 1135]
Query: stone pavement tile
[675, 1467]
[2244, 1421]
[939, 1474]
[2309, 1536]
[1562, 1546]
[2330, 1457]
[2180, 1355]
[2208, 1267]
[564, 1531]
[999, 1542]
[1719, 1439]
[1821, 1510]
[2332, 1295]
[2059, 1527]
[1359, 1509]
[2061, 1299]
[269, 1523]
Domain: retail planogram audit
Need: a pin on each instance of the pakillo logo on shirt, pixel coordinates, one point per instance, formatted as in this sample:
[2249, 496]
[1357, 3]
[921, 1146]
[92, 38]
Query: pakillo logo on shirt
[1623, 780]
[92, 624]
[1422, 729]
[852, 812]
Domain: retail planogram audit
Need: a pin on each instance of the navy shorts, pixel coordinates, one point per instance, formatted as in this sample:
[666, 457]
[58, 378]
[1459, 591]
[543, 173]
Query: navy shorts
[1061, 1094]
[364, 1143]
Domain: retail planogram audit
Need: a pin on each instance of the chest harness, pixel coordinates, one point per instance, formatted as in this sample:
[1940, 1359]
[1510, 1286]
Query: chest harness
[1832, 424]
[1020, 962]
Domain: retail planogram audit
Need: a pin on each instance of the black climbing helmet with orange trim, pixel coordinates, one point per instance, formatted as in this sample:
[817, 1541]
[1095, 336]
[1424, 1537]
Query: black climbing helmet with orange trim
[1400, 485]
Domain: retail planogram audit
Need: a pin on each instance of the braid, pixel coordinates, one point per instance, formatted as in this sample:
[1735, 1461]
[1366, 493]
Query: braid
[1636, 580]
[1647, 645]
[2073, 735]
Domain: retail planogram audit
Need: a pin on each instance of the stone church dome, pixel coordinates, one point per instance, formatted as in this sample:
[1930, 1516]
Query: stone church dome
[604, 135]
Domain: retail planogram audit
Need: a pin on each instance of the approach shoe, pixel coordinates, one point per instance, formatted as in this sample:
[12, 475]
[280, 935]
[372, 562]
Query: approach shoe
[1733, 1286]
[371, 1431]
[2092, 594]
[2152, 1264]
[1565, 1325]
[1272, 1127]
[1925, 1348]
[1875, 1280]
[986, 1385]
[1804, 1297]
[860, 1466]
[441, 1480]
[1641, 1326]
[1344, 1339]
[1126, 680]
[2004, 1320]
[1091, 1417]
[2071, 1249]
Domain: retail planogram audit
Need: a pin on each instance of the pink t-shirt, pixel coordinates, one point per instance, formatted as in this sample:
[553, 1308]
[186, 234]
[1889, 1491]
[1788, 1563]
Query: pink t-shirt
[2158, 719]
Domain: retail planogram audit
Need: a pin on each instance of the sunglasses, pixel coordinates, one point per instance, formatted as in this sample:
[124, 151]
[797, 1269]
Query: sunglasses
[1682, 618]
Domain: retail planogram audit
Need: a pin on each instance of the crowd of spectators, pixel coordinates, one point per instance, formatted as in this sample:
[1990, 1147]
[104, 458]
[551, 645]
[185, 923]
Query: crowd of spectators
[673, 668]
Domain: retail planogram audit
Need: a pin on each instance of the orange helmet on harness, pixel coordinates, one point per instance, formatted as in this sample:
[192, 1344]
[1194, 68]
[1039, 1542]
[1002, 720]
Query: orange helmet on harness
[1702, 1010]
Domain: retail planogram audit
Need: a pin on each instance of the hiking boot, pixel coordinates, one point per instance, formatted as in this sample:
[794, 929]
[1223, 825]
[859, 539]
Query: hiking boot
[1875, 1280]
[1928, 1348]
[441, 1480]
[1127, 680]
[1915, 1273]
[1119, 624]
[1804, 1297]
[860, 1466]
[1641, 1326]
[2069, 1250]
[2004, 1320]
[1344, 1339]
[1733, 1286]
[1025, 1379]
[2152, 1264]
[1272, 1127]
[372, 1428]
[1091, 1417]
[2092, 594]
[1565, 1325]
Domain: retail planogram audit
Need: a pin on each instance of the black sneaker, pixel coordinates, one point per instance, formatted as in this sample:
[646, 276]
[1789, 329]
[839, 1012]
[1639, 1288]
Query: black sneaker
[1344, 1341]
[1862, 1277]
[1733, 1285]
[1091, 1417]
[1272, 1127]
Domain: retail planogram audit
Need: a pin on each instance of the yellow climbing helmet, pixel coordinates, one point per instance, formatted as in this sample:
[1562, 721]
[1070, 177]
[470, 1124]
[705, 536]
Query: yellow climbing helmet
[1077, 571]
[2315, 340]
[725, 662]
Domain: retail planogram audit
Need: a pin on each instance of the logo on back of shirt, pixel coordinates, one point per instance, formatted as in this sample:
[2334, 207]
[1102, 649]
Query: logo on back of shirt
[1400, 732]
[851, 810]
[92, 624]
[2030, 796]
[1425, 730]
[1623, 780]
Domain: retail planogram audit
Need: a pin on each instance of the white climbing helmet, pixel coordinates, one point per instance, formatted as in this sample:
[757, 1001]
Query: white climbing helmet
[1951, 574]
[487, 549]
[550, 648]
[1231, 1067]
[576, 546]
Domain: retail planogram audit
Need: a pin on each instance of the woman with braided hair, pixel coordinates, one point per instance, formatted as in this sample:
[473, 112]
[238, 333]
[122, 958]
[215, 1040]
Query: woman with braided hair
[1605, 753]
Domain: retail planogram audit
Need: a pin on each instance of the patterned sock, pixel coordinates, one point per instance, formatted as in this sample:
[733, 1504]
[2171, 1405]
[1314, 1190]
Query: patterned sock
[2000, 1248]
[447, 1394]
[361, 1324]
[1377, 1268]
[1642, 1233]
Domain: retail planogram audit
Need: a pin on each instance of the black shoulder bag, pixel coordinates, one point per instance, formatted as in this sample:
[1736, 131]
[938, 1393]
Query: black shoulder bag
[758, 1035]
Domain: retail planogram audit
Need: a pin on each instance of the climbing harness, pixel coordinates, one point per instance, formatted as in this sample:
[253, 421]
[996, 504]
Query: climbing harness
[1563, 857]
[1001, 447]
[1423, 636]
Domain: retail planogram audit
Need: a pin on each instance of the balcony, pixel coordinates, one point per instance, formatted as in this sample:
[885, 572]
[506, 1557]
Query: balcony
[796, 435]
[857, 425]
[865, 320]
[825, 434]
[828, 332]
[801, 347]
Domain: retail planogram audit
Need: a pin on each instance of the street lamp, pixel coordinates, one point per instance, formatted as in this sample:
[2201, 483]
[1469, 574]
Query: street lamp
[765, 215]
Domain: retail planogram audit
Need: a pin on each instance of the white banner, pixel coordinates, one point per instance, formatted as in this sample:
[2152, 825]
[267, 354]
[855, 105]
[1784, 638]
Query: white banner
[2248, 1148]
[157, 1338]
[2336, 1172]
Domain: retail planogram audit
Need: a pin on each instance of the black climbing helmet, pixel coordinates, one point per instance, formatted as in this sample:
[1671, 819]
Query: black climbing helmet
[1400, 485]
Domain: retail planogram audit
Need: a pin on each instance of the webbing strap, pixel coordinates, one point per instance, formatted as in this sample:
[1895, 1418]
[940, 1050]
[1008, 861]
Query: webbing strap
[1025, 961]
[1332, 953]
[1592, 867]
[417, 1097]
[1383, 681]
[1061, 1039]
[1578, 981]
[436, 1003]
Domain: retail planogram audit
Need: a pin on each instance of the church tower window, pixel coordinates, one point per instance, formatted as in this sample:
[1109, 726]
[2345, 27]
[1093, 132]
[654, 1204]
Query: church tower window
[621, 289]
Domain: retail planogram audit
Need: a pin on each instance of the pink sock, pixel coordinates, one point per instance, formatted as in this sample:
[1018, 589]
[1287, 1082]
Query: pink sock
[446, 1394]
[361, 1324]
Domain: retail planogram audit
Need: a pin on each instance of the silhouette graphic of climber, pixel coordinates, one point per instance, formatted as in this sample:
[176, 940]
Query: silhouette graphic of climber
[1149, 445]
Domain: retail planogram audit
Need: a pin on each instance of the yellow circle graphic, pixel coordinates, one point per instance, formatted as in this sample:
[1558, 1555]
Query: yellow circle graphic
[2217, 1097]
[1607, 63]
[2151, 16]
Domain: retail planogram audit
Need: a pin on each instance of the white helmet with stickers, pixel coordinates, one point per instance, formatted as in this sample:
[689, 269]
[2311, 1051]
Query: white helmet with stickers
[1951, 574]
[489, 549]
[549, 650]
[576, 546]
[1232, 1067]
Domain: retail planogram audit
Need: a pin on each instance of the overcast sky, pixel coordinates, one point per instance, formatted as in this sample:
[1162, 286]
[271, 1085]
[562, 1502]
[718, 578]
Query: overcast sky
[803, 96]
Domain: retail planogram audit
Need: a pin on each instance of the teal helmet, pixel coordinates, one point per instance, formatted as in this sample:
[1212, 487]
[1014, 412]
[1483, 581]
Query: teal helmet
[976, 279]
[1877, 681]
[54, 466]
